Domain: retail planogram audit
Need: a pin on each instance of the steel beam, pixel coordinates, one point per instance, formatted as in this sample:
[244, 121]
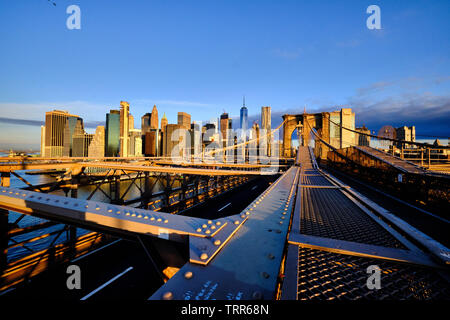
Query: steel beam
[248, 266]
[360, 249]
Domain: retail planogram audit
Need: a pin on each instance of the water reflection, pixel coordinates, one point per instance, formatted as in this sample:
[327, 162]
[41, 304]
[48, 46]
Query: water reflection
[83, 192]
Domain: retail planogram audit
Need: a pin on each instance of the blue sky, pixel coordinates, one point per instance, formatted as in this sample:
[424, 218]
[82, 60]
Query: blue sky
[201, 57]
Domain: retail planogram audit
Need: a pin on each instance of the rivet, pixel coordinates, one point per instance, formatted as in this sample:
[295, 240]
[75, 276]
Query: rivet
[217, 242]
[166, 221]
[210, 222]
[236, 222]
[242, 216]
[152, 218]
[145, 217]
[204, 256]
[213, 227]
[265, 275]
[98, 208]
[218, 223]
[188, 275]
[167, 295]
[133, 214]
[281, 222]
[270, 256]
[204, 226]
[159, 220]
[283, 218]
[207, 231]
[199, 229]
[127, 213]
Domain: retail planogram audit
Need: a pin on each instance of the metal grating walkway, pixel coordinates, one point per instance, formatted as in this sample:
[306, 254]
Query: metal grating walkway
[330, 214]
[336, 235]
[328, 276]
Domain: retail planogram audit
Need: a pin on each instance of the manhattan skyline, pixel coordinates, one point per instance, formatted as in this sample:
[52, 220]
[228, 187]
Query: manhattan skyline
[202, 58]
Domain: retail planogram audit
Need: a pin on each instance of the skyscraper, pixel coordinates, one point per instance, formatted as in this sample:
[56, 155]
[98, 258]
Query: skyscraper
[130, 122]
[244, 117]
[151, 145]
[164, 122]
[362, 139]
[172, 136]
[225, 126]
[341, 138]
[266, 122]
[184, 120]
[73, 126]
[145, 123]
[135, 148]
[154, 118]
[42, 141]
[96, 148]
[406, 133]
[266, 118]
[55, 130]
[81, 144]
[112, 134]
[124, 128]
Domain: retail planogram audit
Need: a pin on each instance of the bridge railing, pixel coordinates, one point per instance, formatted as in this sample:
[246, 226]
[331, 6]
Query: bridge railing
[427, 155]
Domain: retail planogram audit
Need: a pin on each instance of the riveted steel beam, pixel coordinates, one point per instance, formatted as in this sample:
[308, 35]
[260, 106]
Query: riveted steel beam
[247, 267]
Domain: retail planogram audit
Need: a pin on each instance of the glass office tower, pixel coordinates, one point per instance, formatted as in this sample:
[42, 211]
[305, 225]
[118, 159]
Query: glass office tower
[112, 134]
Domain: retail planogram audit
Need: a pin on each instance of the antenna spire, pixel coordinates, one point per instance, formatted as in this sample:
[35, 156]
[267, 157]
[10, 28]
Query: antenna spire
[244, 100]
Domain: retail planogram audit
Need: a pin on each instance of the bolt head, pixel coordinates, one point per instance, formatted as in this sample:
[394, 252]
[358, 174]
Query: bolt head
[188, 275]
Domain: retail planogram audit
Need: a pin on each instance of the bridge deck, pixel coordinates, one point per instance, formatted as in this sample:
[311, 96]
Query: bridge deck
[334, 238]
[307, 228]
